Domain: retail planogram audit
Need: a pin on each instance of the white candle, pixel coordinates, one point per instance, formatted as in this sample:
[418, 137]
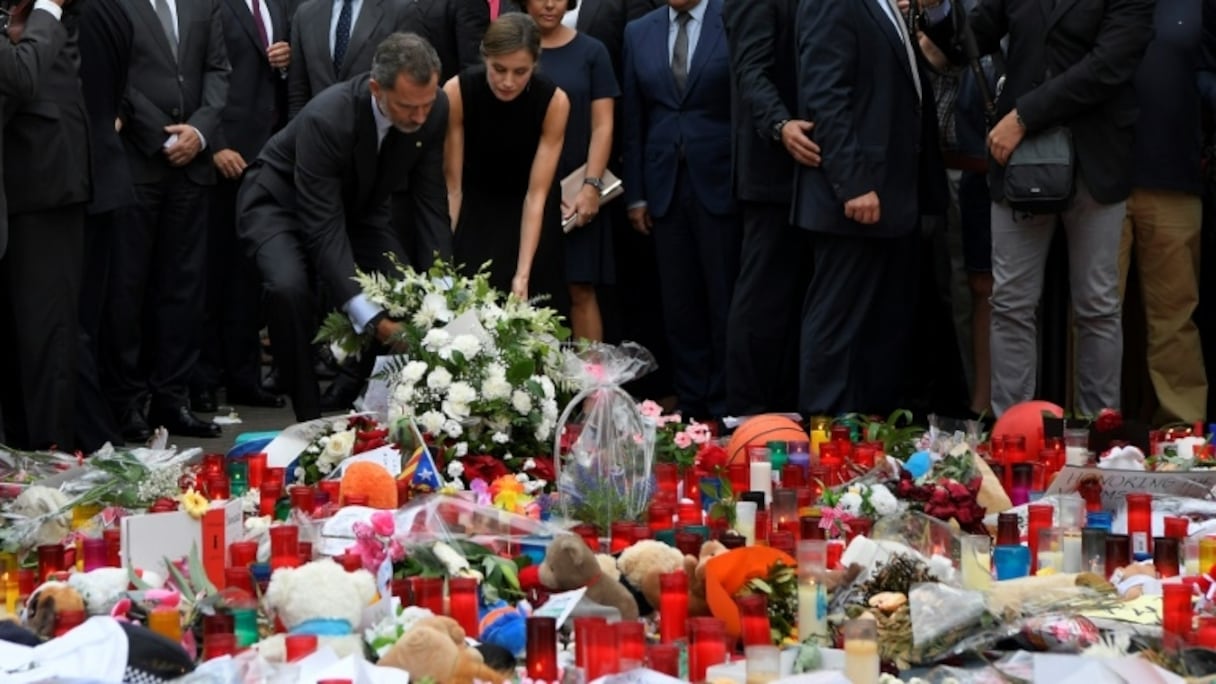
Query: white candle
[1076, 455]
[745, 520]
[977, 571]
[762, 479]
[861, 665]
[1071, 552]
[812, 611]
[1051, 559]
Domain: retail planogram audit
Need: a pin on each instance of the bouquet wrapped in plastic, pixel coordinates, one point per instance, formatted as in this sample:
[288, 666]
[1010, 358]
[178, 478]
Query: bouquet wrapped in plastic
[604, 447]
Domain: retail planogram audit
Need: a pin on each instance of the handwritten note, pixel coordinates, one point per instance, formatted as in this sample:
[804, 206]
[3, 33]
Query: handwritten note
[386, 457]
[559, 606]
[1117, 484]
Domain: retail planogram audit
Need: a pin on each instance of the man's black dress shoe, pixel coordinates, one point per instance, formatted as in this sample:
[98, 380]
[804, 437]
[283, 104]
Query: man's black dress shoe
[135, 430]
[203, 400]
[255, 397]
[180, 421]
[341, 393]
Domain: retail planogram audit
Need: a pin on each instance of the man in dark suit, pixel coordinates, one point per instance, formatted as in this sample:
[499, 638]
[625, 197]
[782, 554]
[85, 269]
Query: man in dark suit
[1071, 63]
[333, 40]
[177, 86]
[106, 37]
[39, 286]
[255, 39]
[861, 82]
[318, 198]
[453, 27]
[635, 9]
[677, 184]
[762, 332]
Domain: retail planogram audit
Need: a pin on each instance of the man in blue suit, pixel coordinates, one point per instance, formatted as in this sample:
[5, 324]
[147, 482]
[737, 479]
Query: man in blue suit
[861, 82]
[677, 177]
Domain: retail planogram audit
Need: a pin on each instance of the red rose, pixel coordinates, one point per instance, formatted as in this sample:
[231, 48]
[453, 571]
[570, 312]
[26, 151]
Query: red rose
[711, 457]
[484, 467]
[1108, 420]
[965, 515]
[957, 491]
[940, 497]
[543, 469]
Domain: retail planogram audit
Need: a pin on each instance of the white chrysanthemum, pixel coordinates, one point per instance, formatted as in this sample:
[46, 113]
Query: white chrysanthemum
[529, 464]
[495, 387]
[850, 503]
[439, 379]
[455, 410]
[548, 410]
[462, 449]
[435, 339]
[403, 394]
[462, 393]
[455, 469]
[500, 438]
[534, 486]
[547, 385]
[436, 307]
[467, 345]
[452, 429]
[883, 501]
[521, 401]
[413, 372]
[544, 431]
[431, 422]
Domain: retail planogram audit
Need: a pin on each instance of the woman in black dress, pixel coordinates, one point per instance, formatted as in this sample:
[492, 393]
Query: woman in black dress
[505, 135]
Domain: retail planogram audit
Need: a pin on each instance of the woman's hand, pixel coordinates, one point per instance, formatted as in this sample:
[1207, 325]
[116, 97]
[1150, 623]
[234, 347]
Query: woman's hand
[519, 285]
[586, 205]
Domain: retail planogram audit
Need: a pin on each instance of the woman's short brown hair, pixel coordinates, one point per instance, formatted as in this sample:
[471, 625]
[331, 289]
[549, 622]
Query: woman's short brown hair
[509, 33]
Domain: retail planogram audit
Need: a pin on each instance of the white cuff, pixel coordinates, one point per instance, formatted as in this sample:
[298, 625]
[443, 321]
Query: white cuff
[55, 10]
[636, 205]
[360, 311]
[202, 141]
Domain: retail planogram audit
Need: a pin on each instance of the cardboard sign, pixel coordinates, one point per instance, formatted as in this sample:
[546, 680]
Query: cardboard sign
[150, 538]
[559, 606]
[1117, 484]
[386, 457]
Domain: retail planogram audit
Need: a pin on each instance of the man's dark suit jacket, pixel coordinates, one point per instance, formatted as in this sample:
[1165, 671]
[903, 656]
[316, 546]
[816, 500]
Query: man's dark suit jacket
[22, 68]
[162, 91]
[46, 137]
[257, 93]
[312, 64]
[106, 38]
[1070, 62]
[660, 125]
[325, 167]
[453, 27]
[855, 83]
[636, 9]
[764, 93]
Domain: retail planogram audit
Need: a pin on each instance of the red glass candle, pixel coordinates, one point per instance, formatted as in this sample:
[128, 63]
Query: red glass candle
[582, 640]
[667, 479]
[284, 546]
[689, 512]
[218, 623]
[242, 553]
[590, 534]
[1118, 553]
[764, 525]
[859, 527]
[603, 659]
[239, 577]
[350, 562]
[673, 606]
[739, 474]
[213, 464]
[27, 581]
[661, 516]
[793, 476]
[218, 645]
[302, 499]
[641, 531]
[268, 504]
[1166, 557]
[783, 540]
[404, 491]
[428, 593]
[113, 539]
[462, 604]
[1177, 527]
[257, 469]
[1140, 524]
[664, 658]
[832, 464]
[67, 620]
[305, 551]
[1206, 637]
[542, 649]
[274, 477]
[689, 543]
[400, 589]
[1039, 517]
[631, 643]
[218, 487]
[1176, 608]
[835, 552]
[707, 646]
[863, 457]
[622, 536]
[50, 560]
[808, 528]
[1008, 530]
[300, 646]
[754, 629]
[94, 554]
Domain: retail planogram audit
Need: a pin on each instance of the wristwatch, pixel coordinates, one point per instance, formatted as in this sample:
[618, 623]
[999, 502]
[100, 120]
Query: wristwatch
[375, 323]
[777, 129]
[1018, 117]
[596, 183]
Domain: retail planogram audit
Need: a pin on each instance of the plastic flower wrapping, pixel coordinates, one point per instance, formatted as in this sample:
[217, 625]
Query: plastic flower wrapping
[604, 452]
[479, 377]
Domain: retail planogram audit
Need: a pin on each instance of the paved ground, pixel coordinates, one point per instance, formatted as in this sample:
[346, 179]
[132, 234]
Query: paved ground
[252, 420]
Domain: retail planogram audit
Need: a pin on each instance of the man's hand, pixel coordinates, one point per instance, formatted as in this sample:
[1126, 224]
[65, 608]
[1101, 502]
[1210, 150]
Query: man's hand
[794, 135]
[639, 218]
[230, 163]
[117, 124]
[388, 332]
[1005, 137]
[187, 146]
[519, 285]
[279, 55]
[863, 209]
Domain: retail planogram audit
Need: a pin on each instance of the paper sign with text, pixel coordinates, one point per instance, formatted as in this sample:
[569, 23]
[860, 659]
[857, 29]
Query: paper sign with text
[386, 457]
[1117, 484]
[559, 606]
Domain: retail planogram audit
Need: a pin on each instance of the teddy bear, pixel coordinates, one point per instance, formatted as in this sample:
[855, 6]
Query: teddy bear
[44, 606]
[640, 566]
[319, 598]
[435, 648]
[569, 564]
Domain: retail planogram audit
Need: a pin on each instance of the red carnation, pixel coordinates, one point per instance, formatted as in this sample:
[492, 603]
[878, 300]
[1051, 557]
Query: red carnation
[484, 467]
[1109, 420]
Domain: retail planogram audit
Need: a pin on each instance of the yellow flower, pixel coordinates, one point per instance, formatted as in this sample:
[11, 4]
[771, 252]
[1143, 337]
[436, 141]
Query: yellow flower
[194, 503]
[512, 501]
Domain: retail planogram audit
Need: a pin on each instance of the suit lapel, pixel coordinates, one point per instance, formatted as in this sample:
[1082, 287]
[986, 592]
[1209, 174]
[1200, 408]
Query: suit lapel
[660, 57]
[144, 10]
[240, 9]
[894, 39]
[1054, 10]
[366, 143]
[319, 26]
[707, 43]
[587, 11]
[369, 18]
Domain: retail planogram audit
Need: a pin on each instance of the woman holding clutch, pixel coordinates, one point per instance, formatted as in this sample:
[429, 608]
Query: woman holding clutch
[505, 132]
[580, 66]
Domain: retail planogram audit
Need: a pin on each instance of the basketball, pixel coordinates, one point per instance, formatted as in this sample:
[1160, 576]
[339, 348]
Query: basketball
[759, 431]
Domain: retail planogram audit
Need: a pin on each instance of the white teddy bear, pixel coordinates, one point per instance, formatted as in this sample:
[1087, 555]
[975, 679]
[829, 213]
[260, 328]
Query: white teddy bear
[319, 598]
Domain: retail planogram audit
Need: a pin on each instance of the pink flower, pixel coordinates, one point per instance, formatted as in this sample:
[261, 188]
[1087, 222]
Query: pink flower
[682, 440]
[362, 530]
[481, 492]
[650, 409]
[383, 523]
[699, 432]
[396, 551]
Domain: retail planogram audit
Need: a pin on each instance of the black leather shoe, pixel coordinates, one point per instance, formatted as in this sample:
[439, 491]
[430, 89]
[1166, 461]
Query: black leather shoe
[182, 422]
[271, 383]
[134, 428]
[341, 393]
[203, 400]
[255, 397]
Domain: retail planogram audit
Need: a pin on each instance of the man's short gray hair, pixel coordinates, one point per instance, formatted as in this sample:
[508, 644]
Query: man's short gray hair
[407, 54]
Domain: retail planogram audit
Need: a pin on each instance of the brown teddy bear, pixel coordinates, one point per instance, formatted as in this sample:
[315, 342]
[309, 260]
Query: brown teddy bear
[46, 603]
[435, 648]
[647, 564]
[569, 564]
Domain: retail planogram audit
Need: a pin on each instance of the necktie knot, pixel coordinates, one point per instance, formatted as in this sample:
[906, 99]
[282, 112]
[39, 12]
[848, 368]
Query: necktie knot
[683, 18]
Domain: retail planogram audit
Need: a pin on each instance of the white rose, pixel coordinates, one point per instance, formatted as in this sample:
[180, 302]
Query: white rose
[431, 422]
[340, 425]
[452, 428]
[436, 306]
[500, 438]
[325, 467]
[883, 501]
[462, 393]
[439, 378]
[467, 345]
[455, 410]
[455, 469]
[436, 338]
[522, 401]
[339, 446]
[850, 503]
[462, 449]
[495, 387]
[413, 372]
